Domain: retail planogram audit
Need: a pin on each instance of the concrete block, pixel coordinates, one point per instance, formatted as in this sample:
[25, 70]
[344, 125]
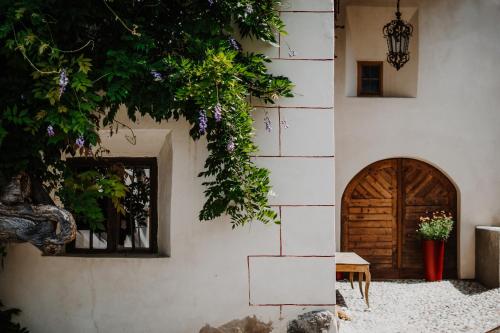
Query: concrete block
[313, 80]
[488, 256]
[307, 5]
[308, 132]
[301, 180]
[292, 280]
[309, 36]
[308, 230]
[266, 140]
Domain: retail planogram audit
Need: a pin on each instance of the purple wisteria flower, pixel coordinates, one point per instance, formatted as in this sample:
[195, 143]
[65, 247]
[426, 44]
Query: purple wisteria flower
[230, 145]
[157, 76]
[210, 2]
[50, 130]
[80, 141]
[269, 125]
[203, 122]
[218, 112]
[63, 82]
[284, 124]
[234, 44]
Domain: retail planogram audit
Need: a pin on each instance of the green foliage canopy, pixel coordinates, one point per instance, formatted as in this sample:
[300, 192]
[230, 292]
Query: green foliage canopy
[67, 66]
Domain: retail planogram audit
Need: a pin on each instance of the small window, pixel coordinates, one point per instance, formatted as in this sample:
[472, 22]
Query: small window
[370, 78]
[135, 231]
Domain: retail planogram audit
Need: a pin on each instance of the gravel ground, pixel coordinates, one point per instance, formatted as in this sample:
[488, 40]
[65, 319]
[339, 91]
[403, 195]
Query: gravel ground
[418, 306]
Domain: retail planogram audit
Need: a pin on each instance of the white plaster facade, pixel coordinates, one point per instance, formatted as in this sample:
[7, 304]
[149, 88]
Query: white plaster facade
[212, 274]
[452, 123]
[208, 272]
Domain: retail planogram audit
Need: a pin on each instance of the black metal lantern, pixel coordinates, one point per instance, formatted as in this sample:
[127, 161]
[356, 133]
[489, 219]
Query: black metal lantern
[398, 32]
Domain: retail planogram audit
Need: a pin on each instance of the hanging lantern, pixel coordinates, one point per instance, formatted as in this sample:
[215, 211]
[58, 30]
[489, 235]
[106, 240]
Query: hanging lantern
[397, 33]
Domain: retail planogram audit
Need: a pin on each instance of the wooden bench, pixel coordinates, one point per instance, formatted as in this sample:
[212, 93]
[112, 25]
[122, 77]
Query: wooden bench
[350, 262]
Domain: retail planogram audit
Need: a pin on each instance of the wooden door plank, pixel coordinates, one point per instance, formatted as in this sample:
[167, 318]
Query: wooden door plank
[370, 238]
[370, 217]
[370, 210]
[399, 205]
[423, 195]
[370, 203]
[384, 192]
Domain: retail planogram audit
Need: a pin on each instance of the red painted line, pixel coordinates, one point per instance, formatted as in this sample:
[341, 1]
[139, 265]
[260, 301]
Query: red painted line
[293, 107]
[287, 256]
[333, 205]
[292, 304]
[248, 266]
[292, 156]
[307, 11]
[304, 59]
[279, 130]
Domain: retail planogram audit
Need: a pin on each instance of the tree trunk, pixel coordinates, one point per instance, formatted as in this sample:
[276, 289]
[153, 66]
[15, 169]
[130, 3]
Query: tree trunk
[27, 214]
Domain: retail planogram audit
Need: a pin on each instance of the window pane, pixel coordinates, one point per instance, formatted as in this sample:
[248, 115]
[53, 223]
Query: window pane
[135, 225]
[370, 72]
[100, 240]
[82, 239]
[370, 87]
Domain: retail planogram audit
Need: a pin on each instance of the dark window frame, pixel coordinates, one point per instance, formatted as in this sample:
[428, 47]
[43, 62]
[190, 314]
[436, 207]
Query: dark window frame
[380, 65]
[113, 227]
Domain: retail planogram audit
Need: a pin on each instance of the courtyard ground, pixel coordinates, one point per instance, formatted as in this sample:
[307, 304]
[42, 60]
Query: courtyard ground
[418, 306]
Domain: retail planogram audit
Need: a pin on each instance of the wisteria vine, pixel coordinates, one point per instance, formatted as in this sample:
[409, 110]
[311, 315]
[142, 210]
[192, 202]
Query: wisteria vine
[67, 68]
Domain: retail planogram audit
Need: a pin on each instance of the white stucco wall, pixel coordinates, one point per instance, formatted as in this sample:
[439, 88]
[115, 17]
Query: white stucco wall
[454, 121]
[213, 274]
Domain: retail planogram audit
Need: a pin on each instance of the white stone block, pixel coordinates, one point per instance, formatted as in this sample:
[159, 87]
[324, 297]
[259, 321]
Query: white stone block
[309, 36]
[267, 141]
[292, 280]
[307, 5]
[301, 180]
[257, 46]
[308, 230]
[307, 132]
[313, 80]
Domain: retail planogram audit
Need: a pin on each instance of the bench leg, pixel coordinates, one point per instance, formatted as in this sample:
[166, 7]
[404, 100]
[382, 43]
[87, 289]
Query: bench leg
[367, 286]
[351, 278]
[360, 281]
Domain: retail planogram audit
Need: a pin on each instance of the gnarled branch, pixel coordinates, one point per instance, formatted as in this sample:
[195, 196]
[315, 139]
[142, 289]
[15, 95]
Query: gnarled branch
[24, 219]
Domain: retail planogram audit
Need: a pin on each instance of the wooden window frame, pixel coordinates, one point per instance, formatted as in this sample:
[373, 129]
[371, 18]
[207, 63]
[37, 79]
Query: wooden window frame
[152, 164]
[381, 78]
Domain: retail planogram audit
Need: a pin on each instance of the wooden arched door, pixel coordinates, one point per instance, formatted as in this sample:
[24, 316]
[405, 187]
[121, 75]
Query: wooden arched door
[381, 207]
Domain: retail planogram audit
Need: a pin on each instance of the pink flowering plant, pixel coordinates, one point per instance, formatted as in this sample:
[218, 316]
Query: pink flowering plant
[436, 226]
[68, 66]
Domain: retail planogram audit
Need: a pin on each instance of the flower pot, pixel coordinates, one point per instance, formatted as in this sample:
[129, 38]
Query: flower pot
[433, 259]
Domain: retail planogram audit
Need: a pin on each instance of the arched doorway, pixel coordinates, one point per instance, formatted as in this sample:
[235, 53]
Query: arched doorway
[380, 212]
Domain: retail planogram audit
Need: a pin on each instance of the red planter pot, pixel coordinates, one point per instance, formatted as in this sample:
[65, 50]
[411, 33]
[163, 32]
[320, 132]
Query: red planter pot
[433, 259]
